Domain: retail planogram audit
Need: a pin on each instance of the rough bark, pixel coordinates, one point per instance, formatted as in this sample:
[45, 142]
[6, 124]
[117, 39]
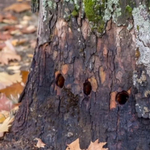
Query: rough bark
[81, 86]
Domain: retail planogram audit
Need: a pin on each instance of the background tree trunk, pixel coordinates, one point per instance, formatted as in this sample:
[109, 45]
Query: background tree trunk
[89, 77]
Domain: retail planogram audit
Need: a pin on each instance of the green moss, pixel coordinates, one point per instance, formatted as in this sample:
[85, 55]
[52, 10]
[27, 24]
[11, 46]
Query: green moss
[129, 9]
[138, 28]
[94, 11]
[74, 13]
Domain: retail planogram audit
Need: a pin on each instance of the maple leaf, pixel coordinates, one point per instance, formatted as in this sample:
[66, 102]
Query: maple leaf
[74, 145]
[4, 127]
[93, 145]
[97, 146]
[7, 80]
[39, 143]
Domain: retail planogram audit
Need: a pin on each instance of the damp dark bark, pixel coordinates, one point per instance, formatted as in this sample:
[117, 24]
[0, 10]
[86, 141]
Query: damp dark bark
[80, 86]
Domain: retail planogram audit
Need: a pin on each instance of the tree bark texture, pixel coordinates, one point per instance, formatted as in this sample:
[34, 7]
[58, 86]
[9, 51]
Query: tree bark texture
[85, 85]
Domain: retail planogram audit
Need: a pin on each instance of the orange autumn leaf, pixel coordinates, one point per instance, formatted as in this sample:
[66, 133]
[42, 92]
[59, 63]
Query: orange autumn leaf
[16, 88]
[18, 7]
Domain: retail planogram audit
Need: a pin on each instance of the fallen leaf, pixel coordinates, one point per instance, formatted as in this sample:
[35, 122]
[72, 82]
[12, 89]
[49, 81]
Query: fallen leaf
[33, 44]
[30, 55]
[18, 7]
[93, 145]
[3, 115]
[74, 145]
[17, 42]
[7, 80]
[9, 16]
[24, 23]
[28, 30]
[13, 91]
[4, 127]
[5, 57]
[39, 143]
[16, 32]
[15, 69]
[9, 46]
[9, 28]
[8, 53]
[97, 146]
[2, 45]
[9, 21]
[1, 18]
[27, 18]
[5, 103]
[4, 36]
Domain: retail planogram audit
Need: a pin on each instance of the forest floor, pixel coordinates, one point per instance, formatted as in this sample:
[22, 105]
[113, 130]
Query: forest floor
[18, 27]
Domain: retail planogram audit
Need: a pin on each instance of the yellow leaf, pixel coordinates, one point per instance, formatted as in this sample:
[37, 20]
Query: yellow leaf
[4, 127]
[3, 115]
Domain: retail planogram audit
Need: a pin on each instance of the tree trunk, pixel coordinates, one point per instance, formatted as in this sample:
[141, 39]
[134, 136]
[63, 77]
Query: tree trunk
[89, 79]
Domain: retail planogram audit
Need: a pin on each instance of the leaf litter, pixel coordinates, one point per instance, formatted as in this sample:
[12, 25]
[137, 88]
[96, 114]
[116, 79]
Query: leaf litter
[17, 42]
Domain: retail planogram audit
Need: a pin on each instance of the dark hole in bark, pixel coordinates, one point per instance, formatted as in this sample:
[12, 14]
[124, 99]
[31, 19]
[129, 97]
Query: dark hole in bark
[122, 97]
[60, 80]
[87, 88]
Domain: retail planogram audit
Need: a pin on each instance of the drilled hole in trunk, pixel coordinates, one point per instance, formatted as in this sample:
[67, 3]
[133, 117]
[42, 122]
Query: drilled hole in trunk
[87, 88]
[122, 97]
[60, 80]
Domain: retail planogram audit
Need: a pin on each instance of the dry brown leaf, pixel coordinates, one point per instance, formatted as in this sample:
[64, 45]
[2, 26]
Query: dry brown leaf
[16, 32]
[9, 16]
[4, 37]
[9, 28]
[5, 57]
[74, 145]
[17, 42]
[2, 45]
[93, 145]
[97, 146]
[1, 18]
[9, 21]
[14, 90]
[39, 144]
[7, 80]
[18, 7]
[3, 115]
[8, 53]
[27, 18]
[5, 103]
[28, 30]
[33, 43]
[4, 127]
